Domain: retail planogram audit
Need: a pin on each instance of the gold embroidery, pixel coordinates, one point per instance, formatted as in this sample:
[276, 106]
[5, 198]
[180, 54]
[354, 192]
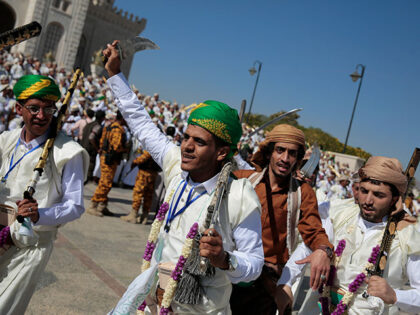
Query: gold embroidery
[36, 87]
[199, 106]
[216, 127]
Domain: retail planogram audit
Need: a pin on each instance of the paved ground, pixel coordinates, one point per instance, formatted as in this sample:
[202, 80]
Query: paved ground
[94, 260]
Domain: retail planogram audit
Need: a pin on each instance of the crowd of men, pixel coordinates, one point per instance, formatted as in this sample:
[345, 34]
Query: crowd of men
[229, 237]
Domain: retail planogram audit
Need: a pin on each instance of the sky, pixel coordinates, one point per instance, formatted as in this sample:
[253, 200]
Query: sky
[307, 48]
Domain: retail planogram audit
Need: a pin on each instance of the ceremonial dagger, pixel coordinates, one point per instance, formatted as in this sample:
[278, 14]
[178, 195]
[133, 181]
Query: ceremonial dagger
[274, 120]
[391, 226]
[128, 47]
[19, 34]
[308, 169]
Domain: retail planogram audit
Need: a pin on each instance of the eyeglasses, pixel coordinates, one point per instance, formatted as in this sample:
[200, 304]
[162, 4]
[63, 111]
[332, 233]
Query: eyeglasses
[34, 110]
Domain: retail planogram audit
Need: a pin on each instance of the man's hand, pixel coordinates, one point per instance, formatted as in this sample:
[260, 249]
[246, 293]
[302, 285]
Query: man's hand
[283, 298]
[28, 208]
[378, 287]
[320, 265]
[113, 64]
[211, 246]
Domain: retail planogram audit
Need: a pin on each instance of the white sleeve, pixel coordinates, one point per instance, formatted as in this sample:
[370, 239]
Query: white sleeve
[249, 251]
[409, 300]
[242, 164]
[292, 270]
[71, 206]
[137, 118]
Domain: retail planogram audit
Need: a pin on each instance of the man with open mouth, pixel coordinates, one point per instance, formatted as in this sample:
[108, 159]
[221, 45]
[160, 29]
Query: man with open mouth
[191, 173]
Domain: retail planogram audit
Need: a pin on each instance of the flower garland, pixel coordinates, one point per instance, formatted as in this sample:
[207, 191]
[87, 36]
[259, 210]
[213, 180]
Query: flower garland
[154, 234]
[352, 288]
[325, 290]
[151, 242]
[4, 235]
[177, 272]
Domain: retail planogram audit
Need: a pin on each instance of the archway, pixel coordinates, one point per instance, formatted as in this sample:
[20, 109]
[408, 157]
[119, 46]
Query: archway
[7, 17]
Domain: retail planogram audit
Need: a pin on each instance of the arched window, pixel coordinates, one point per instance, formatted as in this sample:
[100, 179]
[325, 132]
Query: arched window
[56, 4]
[52, 38]
[64, 5]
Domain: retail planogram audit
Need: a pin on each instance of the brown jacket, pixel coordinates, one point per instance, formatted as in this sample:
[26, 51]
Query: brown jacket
[274, 216]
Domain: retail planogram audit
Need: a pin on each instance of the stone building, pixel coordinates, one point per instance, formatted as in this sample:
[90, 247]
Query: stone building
[73, 30]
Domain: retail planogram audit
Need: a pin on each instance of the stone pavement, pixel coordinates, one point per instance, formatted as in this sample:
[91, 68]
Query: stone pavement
[93, 261]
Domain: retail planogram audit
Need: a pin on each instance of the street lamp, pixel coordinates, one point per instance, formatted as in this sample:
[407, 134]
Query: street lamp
[252, 71]
[354, 77]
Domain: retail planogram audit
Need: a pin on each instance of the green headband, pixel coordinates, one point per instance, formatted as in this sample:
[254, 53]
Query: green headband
[36, 86]
[219, 119]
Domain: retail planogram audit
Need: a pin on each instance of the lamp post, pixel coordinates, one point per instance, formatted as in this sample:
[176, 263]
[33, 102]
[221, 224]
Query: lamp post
[252, 71]
[354, 77]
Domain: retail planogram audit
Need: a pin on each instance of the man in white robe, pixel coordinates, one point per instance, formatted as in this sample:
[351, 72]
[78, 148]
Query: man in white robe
[362, 227]
[235, 248]
[58, 196]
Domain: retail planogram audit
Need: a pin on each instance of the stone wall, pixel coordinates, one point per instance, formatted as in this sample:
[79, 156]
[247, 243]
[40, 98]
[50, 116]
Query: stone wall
[104, 24]
[88, 26]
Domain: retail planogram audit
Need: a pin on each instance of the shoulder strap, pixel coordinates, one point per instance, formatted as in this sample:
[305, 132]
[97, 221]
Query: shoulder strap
[294, 200]
[255, 178]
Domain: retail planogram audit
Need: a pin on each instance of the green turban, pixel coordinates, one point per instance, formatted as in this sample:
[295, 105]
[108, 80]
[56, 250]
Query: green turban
[36, 86]
[219, 119]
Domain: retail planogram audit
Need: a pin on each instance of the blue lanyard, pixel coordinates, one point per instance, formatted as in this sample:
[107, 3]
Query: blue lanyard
[11, 165]
[172, 210]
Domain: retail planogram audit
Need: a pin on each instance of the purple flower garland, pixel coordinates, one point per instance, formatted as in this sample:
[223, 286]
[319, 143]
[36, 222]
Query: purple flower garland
[4, 234]
[324, 300]
[142, 306]
[177, 272]
[355, 285]
[150, 246]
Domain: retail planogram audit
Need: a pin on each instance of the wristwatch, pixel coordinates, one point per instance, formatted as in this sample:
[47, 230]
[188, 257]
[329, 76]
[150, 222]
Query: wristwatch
[327, 250]
[232, 262]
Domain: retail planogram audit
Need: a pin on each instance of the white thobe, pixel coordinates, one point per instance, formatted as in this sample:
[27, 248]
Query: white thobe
[241, 234]
[407, 300]
[22, 265]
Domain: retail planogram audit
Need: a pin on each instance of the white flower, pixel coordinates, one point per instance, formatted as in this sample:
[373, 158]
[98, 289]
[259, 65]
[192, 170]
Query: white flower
[169, 293]
[347, 298]
[187, 248]
[145, 265]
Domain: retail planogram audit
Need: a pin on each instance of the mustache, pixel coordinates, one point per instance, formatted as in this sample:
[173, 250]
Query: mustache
[281, 164]
[366, 207]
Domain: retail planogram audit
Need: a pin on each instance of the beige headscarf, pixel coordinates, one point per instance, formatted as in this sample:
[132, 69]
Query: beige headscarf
[280, 133]
[387, 170]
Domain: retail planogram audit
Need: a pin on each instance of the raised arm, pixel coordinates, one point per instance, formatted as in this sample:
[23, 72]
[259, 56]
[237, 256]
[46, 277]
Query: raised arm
[139, 121]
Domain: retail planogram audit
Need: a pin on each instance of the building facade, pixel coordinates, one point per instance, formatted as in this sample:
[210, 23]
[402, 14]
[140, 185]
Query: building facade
[72, 30]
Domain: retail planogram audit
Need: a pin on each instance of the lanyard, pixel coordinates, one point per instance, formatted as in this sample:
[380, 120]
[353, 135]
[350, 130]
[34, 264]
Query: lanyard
[11, 165]
[172, 210]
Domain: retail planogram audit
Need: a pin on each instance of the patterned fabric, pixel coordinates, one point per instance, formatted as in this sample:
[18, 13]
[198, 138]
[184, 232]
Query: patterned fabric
[219, 119]
[105, 182]
[36, 86]
[115, 134]
[143, 190]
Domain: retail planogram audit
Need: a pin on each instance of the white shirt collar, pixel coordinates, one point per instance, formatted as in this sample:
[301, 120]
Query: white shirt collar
[209, 185]
[33, 143]
[366, 225]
